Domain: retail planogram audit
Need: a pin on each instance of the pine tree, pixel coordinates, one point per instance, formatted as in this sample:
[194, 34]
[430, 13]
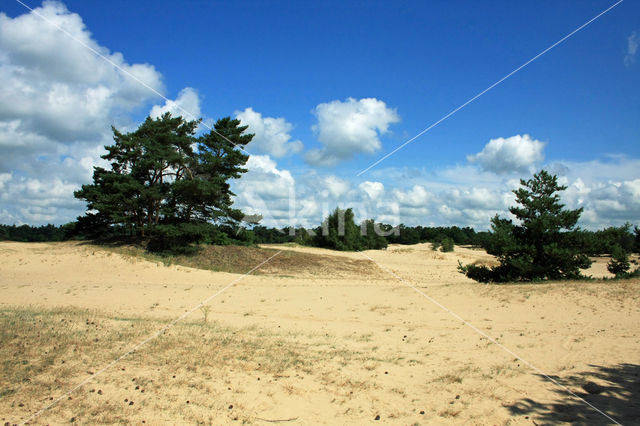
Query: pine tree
[160, 187]
[542, 244]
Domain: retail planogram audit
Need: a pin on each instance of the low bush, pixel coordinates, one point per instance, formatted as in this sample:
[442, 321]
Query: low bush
[619, 264]
[446, 245]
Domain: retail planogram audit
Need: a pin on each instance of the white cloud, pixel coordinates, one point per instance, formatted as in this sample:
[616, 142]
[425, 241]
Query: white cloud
[374, 190]
[272, 135]
[632, 48]
[417, 196]
[335, 186]
[273, 193]
[606, 203]
[612, 169]
[445, 197]
[187, 105]
[476, 198]
[58, 88]
[607, 189]
[506, 155]
[37, 200]
[348, 128]
[4, 178]
[265, 179]
[265, 190]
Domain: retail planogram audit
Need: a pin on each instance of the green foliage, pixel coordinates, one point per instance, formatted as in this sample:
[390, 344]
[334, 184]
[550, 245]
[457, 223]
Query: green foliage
[26, 233]
[339, 232]
[303, 237]
[420, 234]
[264, 235]
[446, 245]
[182, 238]
[243, 235]
[619, 264]
[543, 244]
[479, 273]
[372, 239]
[406, 235]
[162, 189]
[605, 240]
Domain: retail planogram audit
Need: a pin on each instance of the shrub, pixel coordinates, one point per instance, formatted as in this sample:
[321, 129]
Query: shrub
[339, 232]
[619, 263]
[480, 273]
[446, 245]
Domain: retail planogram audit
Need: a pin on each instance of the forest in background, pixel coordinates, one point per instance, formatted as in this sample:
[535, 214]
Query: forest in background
[595, 243]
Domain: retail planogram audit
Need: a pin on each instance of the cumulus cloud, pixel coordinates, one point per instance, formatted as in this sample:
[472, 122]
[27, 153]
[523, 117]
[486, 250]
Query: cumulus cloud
[476, 198]
[36, 200]
[506, 155]
[59, 100]
[272, 135]
[265, 179]
[55, 86]
[283, 201]
[417, 196]
[266, 190]
[632, 48]
[348, 128]
[335, 187]
[608, 191]
[605, 203]
[374, 190]
[187, 105]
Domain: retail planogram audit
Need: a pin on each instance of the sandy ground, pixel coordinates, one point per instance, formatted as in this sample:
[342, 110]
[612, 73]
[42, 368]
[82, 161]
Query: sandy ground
[410, 341]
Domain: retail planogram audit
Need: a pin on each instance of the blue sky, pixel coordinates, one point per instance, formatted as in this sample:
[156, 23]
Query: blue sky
[340, 85]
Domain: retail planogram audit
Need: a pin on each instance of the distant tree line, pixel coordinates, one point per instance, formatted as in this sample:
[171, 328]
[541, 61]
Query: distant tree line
[594, 243]
[35, 234]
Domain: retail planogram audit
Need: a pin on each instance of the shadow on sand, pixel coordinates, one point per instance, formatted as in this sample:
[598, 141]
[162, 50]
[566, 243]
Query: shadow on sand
[614, 390]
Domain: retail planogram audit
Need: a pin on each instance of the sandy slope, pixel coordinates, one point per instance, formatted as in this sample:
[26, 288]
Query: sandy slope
[368, 345]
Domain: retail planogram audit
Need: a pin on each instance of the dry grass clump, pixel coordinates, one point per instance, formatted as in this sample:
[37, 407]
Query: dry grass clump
[241, 259]
[402, 250]
[485, 262]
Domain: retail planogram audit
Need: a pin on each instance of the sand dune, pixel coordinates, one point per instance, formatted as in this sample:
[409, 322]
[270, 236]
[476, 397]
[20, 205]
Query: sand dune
[348, 344]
